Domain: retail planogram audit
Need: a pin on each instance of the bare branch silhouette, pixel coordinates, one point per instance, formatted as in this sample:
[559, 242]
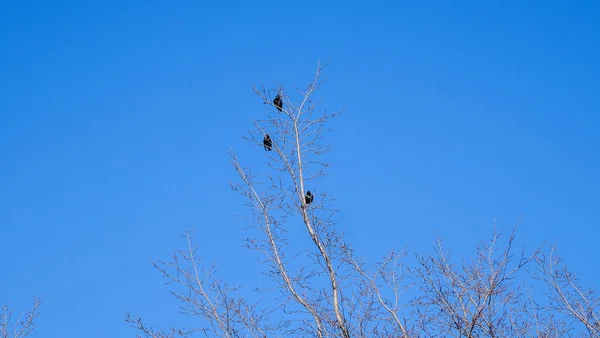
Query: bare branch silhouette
[319, 287]
[23, 325]
[566, 296]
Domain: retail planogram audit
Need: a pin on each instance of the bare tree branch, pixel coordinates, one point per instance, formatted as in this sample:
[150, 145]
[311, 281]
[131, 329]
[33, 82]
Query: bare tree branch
[566, 296]
[23, 326]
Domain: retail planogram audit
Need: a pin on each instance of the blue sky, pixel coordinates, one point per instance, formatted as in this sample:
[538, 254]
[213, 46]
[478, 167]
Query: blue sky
[116, 118]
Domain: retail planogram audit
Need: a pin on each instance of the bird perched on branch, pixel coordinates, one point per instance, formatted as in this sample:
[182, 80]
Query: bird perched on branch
[267, 143]
[277, 102]
[308, 198]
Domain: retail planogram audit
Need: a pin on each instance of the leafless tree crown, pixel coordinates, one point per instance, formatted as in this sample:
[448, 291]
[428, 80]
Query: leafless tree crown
[319, 287]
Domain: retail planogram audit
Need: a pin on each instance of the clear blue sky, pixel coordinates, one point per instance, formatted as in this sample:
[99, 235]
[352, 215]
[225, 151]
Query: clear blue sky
[116, 118]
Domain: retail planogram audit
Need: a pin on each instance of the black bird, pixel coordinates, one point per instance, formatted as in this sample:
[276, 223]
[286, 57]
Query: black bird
[267, 143]
[308, 198]
[277, 102]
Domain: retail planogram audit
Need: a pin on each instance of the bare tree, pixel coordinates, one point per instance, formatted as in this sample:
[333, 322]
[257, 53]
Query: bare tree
[296, 132]
[480, 298]
[565, 296]
[22, 326]
[204, 296]
[322, 288]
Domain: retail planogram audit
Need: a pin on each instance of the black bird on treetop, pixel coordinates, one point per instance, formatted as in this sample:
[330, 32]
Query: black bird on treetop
[308, 198]
[277, 102]
[267, 143]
